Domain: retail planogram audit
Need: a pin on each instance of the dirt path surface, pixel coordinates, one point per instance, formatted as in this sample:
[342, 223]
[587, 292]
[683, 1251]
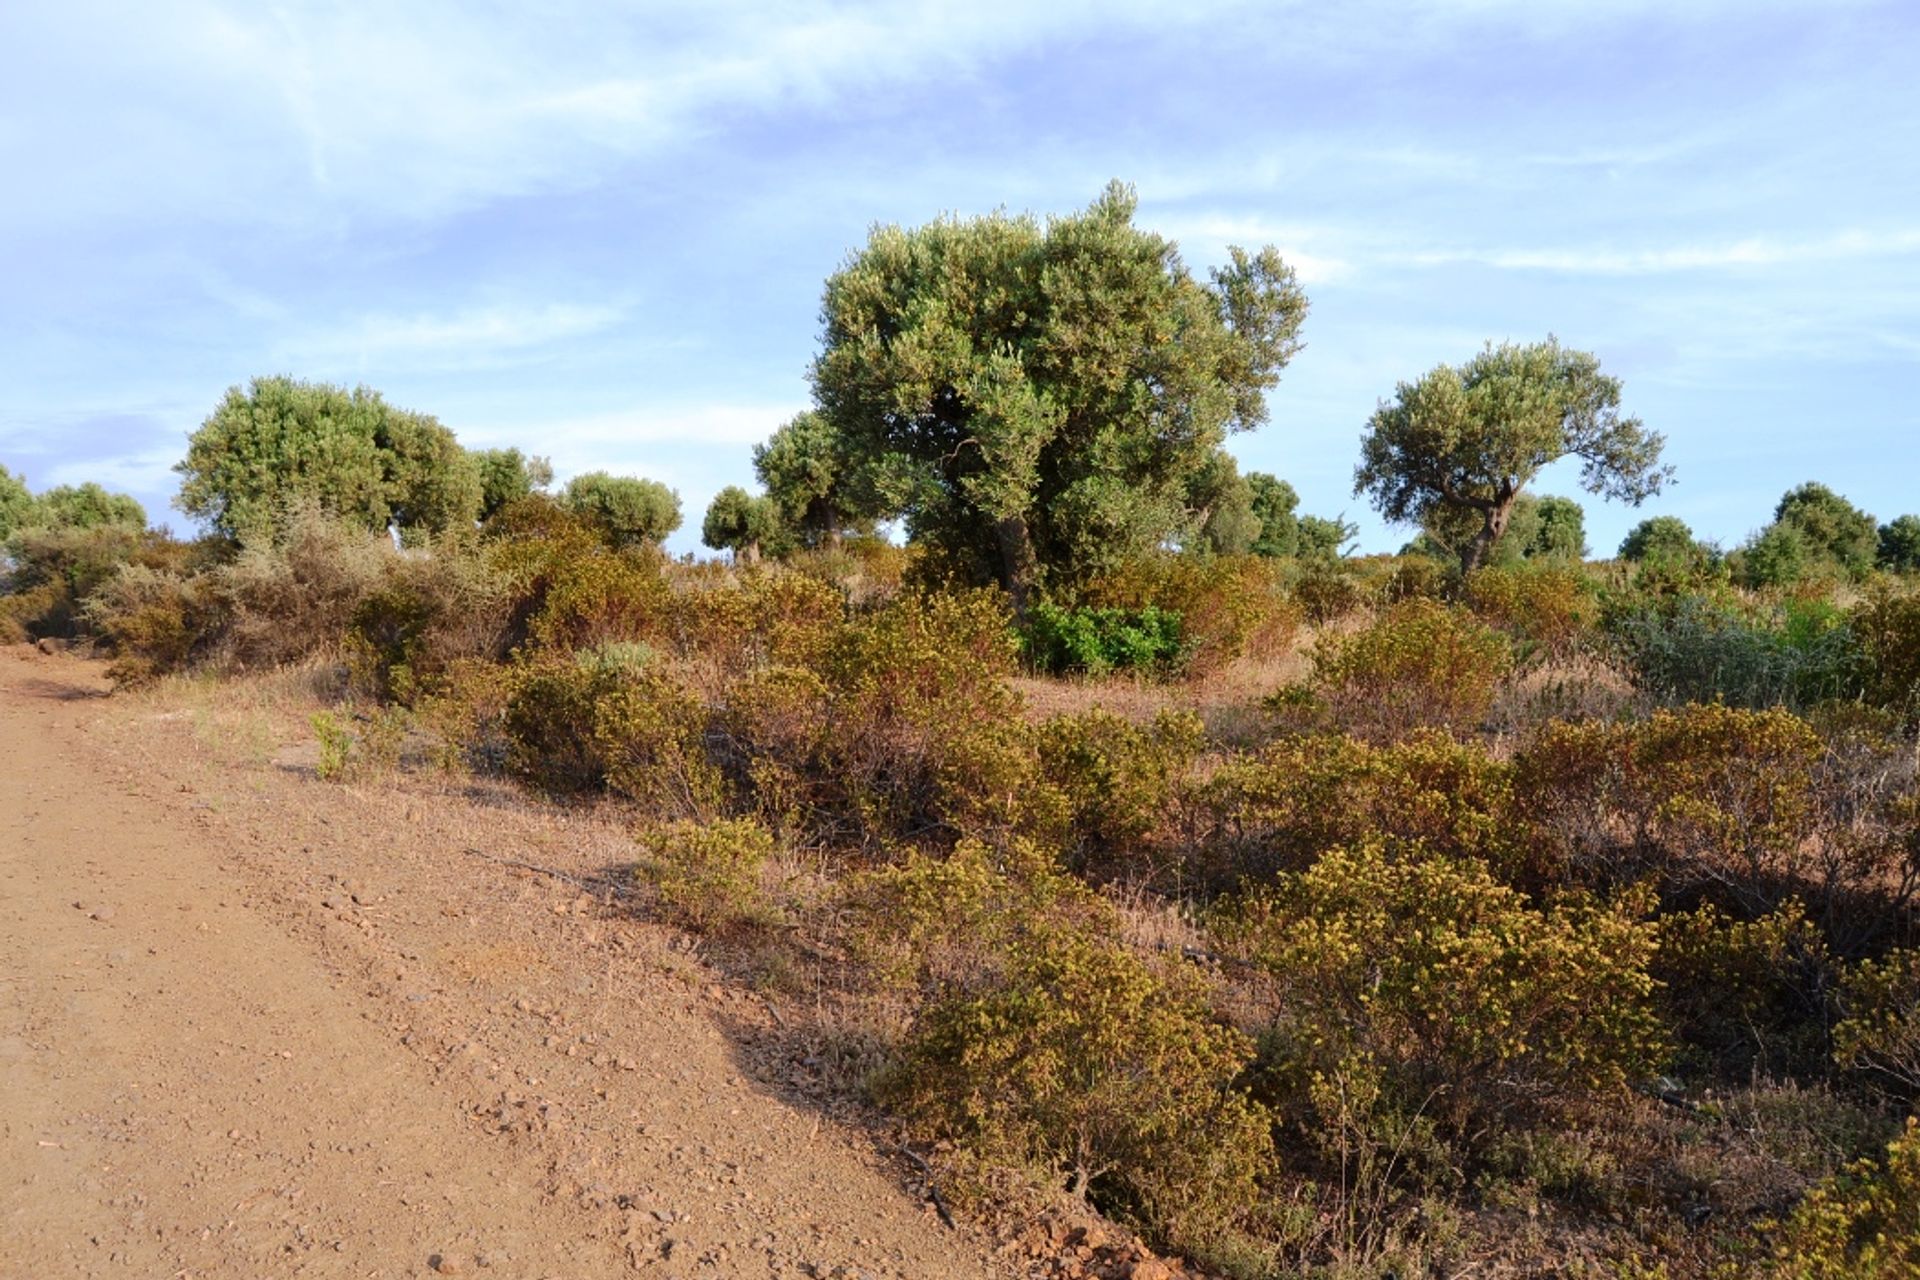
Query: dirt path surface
[252, 1024]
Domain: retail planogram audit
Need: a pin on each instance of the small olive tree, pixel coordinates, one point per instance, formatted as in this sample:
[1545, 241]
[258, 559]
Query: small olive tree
[740, 522]
[628, 510]
[1464, 441]
[281, 443]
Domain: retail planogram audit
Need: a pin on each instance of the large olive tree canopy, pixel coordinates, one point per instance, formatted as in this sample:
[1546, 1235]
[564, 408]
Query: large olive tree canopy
[1464, 441]
[281, 443]
[1049, 390]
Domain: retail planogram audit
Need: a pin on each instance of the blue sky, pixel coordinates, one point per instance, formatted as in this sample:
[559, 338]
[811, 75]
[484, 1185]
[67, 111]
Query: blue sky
[599, 232]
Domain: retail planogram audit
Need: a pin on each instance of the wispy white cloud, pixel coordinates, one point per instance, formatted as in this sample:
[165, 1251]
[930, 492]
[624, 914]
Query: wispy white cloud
[452, 339]
[1752, 251]
[579, 440]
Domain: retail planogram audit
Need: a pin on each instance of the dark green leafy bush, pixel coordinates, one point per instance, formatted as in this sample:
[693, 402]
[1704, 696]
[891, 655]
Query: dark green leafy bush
[1058, 639]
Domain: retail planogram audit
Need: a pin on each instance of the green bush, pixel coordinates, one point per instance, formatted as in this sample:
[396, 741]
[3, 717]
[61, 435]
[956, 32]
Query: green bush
[947, 923]
[1694, 650]
[1425, 983]
[1417, 665]
[1082, 1064]
[1096, 641]
[709, 875]
[1117, 777]
[1225, 606]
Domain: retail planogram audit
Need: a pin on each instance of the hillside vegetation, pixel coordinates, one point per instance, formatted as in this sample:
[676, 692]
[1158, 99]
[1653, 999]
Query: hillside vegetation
[1479, 905]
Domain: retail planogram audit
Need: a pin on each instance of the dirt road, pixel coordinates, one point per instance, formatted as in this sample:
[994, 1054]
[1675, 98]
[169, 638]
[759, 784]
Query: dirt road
[252, 1024]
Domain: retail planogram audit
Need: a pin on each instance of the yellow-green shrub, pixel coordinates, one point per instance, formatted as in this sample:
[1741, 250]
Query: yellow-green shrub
[1117, 777]
[1455, 995]
[1326, 591]
[574, 726]
[1418, 665]
[431, 611]
[1880, 1030]
[946, 923]
[157, 622]
[1745, 995]
[709, 875]
[1080, 1063]
[1713, 800]
[922, 735]
[1228, 606]
[1549, 608]
[1862, 1224]
[1886, 626]
[1279, 809]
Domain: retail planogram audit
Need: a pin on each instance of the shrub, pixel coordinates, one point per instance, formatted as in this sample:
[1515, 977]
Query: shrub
[1720, 804]
[1279, 809]
[1326, 592]
[1746, 996]
[709, 874]
[1880, 1030]
[922, 737]
[1547, 607]
[1416, 577]
[56, 570]
[1417, 665]
[293, 598]
[1450, 993]
[336, 745]
[947, 923]
[578, 725]
[1117, 777]
[575, 594]
[432, 611]
[1228, 606]
[1097, 641]
[1693, 650]
[1082, 1064]
[1886, 626]
[157, 622]
[1861, 1224]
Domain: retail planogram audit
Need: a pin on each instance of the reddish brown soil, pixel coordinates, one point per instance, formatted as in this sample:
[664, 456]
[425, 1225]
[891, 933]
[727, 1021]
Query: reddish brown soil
[254, 1024]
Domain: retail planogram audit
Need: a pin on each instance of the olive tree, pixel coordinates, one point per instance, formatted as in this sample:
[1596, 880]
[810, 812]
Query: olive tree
[1900, 544]
[87, 506]
[628, 510]
[740, 522]
[822, 488]
[1661, 538]
[1275, 505]
[506, 476]
[1463, 442]
[1836, 533]
[1049, 389]
[281, 443]
[16, 502]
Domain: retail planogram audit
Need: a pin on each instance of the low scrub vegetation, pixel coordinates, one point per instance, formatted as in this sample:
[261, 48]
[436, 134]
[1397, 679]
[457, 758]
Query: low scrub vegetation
[1287, 923]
